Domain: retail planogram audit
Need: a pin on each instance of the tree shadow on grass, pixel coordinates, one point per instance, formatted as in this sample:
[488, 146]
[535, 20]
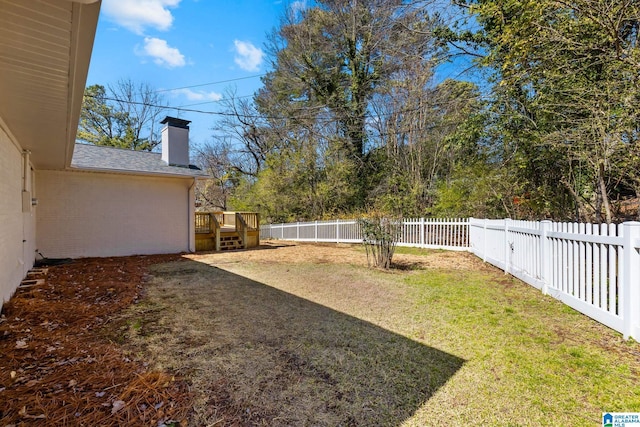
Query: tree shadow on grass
[259, 356]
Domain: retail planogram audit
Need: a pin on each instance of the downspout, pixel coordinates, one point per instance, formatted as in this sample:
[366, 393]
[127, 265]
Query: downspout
[26, 154]
[26, 207]
[27, 183]
[190, 224]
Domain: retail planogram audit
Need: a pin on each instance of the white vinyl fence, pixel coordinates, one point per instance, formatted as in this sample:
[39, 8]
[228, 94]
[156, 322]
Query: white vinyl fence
[451, 234]
[593, 268]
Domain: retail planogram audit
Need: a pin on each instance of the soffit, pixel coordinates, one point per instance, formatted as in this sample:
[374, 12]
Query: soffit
[45, 47]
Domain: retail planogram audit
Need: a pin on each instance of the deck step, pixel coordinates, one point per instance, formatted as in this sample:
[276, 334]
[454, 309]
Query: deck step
[232, 242]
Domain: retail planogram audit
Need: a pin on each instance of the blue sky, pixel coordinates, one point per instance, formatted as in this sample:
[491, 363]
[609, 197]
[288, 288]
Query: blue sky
[179, 43]
[180, 46]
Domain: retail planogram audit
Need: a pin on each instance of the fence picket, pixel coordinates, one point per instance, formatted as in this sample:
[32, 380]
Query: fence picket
[603, 269]
[612, 272]
[580, 265]
[595, 273]
[588, 274]
[575, 262]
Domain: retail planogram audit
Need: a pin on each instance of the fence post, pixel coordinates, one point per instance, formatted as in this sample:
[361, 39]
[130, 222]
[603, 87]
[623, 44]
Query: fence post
[545, 256]
[507, 247]
[631, 281]
[484, 240]
[422, 232]
[467, 233]
[337, 231]
[316, 231]
[298, 230]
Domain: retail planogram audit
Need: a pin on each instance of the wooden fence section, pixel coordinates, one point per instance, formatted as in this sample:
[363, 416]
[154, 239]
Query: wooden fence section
[593, 268]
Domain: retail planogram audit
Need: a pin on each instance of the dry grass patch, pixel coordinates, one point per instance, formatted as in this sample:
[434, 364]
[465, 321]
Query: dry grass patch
[307, 335]
[261, 356]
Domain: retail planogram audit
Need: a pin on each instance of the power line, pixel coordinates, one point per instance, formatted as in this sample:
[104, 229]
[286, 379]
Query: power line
[212, 83]
[272, 117]
[214, 101]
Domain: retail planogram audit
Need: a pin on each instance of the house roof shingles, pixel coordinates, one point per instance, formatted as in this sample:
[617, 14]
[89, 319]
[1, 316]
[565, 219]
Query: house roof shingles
[116, 160]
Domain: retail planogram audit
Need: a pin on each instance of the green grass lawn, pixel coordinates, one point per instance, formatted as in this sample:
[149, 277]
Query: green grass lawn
[311, 343]
[530, 359]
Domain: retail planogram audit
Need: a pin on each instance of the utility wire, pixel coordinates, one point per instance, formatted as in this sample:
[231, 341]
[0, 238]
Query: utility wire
[211, 83]
[212, 102]
[269, 117]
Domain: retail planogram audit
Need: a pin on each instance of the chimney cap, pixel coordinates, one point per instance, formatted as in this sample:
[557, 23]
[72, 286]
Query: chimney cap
[175, 122]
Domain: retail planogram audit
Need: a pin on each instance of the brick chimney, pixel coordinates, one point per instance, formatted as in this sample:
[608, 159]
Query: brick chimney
[175, 141]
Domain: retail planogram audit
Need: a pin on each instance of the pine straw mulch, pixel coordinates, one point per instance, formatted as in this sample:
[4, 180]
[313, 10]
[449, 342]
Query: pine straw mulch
[58, 368]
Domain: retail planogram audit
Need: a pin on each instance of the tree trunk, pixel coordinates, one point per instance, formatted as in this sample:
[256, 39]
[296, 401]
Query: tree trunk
[580, 209]
[603, 194]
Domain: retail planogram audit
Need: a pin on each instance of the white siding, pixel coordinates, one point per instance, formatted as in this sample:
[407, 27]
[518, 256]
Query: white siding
[82, 214]
[17, 234]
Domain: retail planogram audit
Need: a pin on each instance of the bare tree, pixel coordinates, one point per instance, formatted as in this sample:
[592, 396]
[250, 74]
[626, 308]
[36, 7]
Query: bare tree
[243, 135]
[213, 194]
[124, 115]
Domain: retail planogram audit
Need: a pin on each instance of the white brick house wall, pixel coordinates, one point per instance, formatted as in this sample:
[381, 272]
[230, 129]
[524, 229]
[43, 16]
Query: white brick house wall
[17, 234]
[86, 214]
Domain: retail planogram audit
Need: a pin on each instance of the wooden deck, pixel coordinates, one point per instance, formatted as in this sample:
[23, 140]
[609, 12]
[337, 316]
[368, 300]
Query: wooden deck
[218, 231]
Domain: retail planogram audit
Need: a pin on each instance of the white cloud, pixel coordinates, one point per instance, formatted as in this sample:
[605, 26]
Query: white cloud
[298, 6]
[248, 57]
[198, 96]
[162, 53]
[136, 15]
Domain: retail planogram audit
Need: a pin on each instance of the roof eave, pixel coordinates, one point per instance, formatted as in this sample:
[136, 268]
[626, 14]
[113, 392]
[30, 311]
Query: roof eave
[85, 14]
[45, 51]
[137, 173]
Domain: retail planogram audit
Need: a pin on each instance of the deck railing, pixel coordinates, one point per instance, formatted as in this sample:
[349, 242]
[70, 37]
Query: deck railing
[206, 223]
[241, 227]
[251, 219]
[219, 216]
[210, 227]
[225, 219]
